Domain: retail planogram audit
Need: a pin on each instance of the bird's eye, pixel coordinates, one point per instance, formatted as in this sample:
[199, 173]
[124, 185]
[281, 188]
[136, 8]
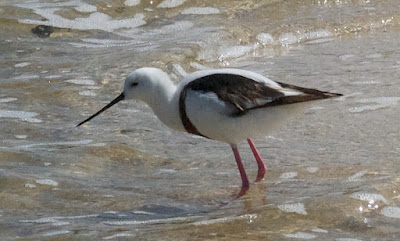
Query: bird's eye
[134, 84]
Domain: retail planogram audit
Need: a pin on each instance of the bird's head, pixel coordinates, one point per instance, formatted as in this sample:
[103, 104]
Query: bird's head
[142, 84]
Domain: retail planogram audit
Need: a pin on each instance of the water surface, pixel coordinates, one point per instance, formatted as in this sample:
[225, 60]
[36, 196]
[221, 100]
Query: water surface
[333, 170]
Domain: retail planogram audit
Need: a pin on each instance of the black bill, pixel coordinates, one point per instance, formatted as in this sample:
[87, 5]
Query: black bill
[115, 101]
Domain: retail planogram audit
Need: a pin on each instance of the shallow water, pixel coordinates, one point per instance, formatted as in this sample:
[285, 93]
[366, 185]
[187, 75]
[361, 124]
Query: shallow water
[333, 169]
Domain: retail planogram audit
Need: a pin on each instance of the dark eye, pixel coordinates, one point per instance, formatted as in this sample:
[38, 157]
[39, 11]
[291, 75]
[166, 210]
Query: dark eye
[134, 84]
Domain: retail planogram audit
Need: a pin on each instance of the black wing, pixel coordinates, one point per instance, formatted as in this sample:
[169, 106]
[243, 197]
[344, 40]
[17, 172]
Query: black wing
[246, 94]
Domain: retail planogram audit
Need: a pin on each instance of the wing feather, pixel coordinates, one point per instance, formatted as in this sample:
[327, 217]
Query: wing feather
[246, 94]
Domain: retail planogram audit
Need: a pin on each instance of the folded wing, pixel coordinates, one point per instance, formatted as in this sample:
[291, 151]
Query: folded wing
[246, 94]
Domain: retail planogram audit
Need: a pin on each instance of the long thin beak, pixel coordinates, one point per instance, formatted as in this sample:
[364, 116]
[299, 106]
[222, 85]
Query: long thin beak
[115, 101]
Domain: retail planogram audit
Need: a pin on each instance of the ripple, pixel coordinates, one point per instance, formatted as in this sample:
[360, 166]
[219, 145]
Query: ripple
[381, 102]
[293, 208]
[86, 8]
[29, 185]
[288, 175]
[347, 239]
[391, 212]
[48, 182]
[95, 21]
[87, 93]
[55, 233]
[369, 197]
[319, 230]
[250, 217]
[83, 81]
[170, 3]
[356, 177]
[301, 235]
[200, 10]
[265, 38]
[131, 3]
[151, 221]
[312, 169]
[57, 219]
[6, 100]
[118, 235]
[235, 51]
[22, 115]
[61, 143]
[21, 65]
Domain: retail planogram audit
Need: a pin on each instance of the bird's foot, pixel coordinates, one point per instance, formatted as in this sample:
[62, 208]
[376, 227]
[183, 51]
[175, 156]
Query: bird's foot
[261, 174]
[243, 191]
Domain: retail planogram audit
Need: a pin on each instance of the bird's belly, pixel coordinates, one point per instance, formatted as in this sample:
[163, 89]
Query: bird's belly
[214, 124]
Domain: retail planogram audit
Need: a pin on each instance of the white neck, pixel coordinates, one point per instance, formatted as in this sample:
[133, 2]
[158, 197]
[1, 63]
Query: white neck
[165, 105]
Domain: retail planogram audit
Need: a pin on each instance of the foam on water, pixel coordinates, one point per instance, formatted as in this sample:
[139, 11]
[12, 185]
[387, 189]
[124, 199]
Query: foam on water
[265, 38]
[380, 102]
[104, 43]
[200, 10]
[317, 36]
[356, 177]
[56, 233]
[374, 56]
[173, 28]
[48, 182]
[345, 57]
[369, 197]
[347, 239]
[55, 76]
[118, 235]
[81, 81]
[131, 3]
[142, 212]
[6, 100]
[85, 8]
[170, 3]
[21, 65]
[312, 169]
[151, 221]
[22, 115]
[293, 208]
[26, 77]
[95, 21]
[57, 219]
[87, 93]
[288, 175]
[300, 235]
[319, 230]
[391, 212]
[249, 217]
[29, 185]
[288, 38]
[235, 51]
[48, 144]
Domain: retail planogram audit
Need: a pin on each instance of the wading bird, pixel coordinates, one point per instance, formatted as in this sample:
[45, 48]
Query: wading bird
[227, 105]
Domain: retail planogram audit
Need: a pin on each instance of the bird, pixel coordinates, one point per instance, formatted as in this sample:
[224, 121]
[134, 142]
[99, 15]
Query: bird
[227, 105]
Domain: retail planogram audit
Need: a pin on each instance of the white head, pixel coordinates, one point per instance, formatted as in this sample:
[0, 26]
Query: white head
[146, 84]
[150, 85]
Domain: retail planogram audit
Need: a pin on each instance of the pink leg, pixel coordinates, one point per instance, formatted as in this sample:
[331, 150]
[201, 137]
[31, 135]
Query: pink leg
[262, 168]
[245, 180]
